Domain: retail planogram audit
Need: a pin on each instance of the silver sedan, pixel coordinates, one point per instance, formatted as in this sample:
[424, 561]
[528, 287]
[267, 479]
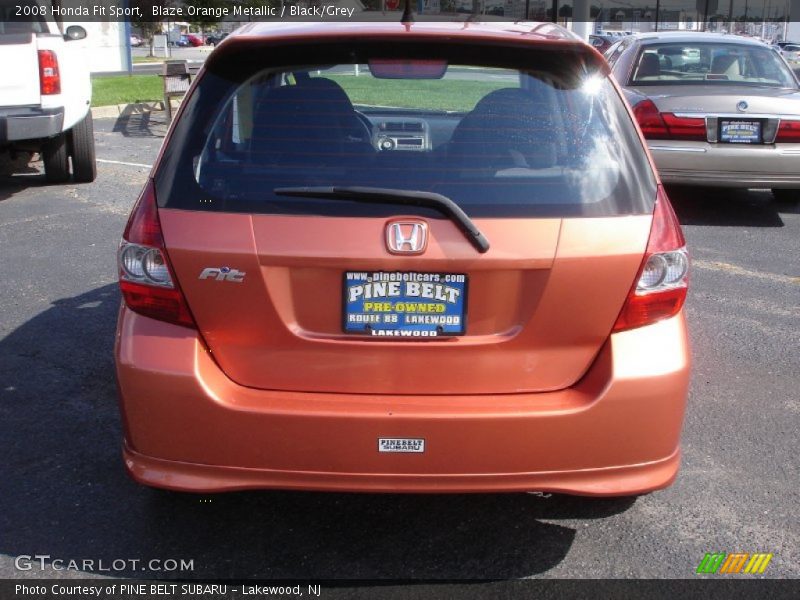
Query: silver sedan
[718, 110]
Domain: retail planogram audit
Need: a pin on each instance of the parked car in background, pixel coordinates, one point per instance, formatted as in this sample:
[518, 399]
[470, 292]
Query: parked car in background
[716, 109]
[194, 40]
[381, 283]
[601, 43]
[136, 41]
[791, 52]
[215, 38]
[45, 93]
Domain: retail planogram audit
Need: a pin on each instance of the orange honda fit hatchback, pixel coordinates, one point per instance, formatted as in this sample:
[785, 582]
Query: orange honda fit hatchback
[429, 257]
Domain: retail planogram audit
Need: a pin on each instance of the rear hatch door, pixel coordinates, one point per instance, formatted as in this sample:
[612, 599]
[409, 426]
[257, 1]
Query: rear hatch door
[551, 173]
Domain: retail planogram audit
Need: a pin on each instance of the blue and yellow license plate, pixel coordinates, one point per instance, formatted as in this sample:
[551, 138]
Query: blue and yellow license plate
[738, 131]
[405, 304]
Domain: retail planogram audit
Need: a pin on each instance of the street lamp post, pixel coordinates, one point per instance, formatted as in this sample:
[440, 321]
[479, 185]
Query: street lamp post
[658, 8]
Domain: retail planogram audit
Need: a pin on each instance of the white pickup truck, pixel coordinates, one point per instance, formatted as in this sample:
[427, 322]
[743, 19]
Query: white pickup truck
[45, 91]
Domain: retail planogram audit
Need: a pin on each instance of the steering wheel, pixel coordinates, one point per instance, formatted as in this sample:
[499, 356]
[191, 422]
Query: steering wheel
[362, 127]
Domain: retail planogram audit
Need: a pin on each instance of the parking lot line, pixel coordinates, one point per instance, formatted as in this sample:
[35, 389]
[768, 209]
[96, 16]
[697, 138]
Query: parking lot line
[119, 162]
[737, 270]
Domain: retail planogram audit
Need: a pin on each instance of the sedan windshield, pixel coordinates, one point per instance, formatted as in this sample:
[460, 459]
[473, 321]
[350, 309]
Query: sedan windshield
[706, 63]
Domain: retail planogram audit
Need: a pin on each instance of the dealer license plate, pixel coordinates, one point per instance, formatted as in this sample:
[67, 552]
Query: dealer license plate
[738, 131]
[405, 304]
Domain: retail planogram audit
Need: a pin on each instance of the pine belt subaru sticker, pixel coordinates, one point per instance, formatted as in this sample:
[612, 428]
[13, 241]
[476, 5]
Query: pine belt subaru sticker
[401, 445]
[405, 304]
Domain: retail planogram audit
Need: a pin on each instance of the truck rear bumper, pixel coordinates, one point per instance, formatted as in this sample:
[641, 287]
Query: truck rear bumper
[29, 123]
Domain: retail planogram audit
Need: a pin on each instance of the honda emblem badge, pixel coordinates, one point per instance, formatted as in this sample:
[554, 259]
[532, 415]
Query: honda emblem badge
[406, 237]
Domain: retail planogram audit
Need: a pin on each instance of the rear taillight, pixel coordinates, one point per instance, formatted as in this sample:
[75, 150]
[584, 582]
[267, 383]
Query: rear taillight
[667, 126]
[145, 276]
[650, 120]
[49, 77]
[662, 281]
[686, 128]
[788, 132]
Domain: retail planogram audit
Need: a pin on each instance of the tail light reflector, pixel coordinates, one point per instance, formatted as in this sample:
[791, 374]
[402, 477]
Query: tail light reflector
[656, 125]
[650, 120]
[49, 77]
[788, 132]
[662, 282]
[686, 128]
[145, 275]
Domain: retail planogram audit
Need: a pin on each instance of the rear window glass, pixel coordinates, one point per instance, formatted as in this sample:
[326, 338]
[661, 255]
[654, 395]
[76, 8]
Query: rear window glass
[552, 138]
[711, 63]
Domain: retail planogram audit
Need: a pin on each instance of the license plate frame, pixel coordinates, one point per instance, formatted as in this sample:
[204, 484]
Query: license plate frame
[391, 309]
[750, 131]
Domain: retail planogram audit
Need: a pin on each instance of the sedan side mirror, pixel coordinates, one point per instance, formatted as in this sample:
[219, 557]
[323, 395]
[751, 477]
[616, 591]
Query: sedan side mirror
[74, 33]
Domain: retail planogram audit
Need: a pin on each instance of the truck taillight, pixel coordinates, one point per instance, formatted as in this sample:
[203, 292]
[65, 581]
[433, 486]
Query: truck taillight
[656, 125]
[788, 132]
[662, 282]
[49, 77]
[145, 276]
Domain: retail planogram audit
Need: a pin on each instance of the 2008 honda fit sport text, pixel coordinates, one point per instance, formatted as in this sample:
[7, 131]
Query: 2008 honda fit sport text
[403, 257]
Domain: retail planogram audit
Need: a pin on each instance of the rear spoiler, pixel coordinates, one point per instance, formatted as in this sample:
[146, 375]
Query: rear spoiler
[242, 49]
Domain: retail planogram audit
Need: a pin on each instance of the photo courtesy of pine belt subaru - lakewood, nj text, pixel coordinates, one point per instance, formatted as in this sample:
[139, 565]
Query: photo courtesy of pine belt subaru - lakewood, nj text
[403, 257]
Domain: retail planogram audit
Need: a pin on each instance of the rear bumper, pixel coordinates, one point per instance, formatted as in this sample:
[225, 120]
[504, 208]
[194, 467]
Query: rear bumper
[627, 480]
[29, 123]
[727, 165]
[188, 427]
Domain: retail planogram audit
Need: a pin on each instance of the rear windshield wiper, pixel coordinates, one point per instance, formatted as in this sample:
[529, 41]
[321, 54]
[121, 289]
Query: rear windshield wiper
[378, 195]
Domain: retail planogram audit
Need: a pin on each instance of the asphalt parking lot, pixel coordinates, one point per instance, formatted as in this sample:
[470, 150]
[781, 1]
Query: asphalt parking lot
[65, 493]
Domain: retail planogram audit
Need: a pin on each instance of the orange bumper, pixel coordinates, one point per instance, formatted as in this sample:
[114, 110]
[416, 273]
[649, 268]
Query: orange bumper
[188, 427]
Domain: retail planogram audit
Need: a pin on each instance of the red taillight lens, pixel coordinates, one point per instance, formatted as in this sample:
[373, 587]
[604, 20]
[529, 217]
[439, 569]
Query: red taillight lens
[666, 126]
[650, 120]
[685, 128]
[145, 275]
[49, 77]
[163, 304]
[662, 281]
[143, 225]
[788, 132]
